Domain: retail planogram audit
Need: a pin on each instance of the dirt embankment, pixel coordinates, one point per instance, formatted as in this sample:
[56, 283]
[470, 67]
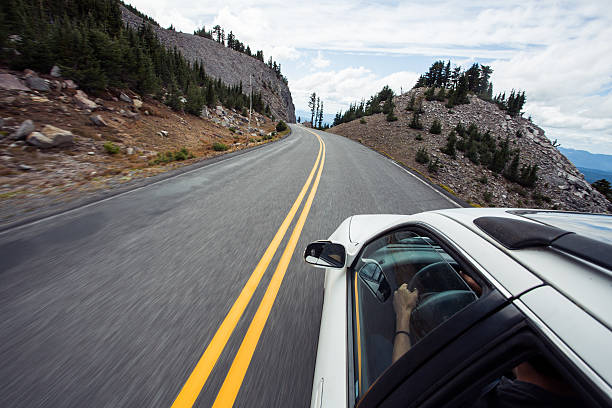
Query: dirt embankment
[94, 144]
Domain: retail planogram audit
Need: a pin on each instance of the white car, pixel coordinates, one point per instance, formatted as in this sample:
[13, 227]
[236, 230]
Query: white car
[466, 307]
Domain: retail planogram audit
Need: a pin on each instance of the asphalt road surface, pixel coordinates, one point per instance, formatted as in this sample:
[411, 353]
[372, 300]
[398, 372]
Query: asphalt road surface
[125, 302]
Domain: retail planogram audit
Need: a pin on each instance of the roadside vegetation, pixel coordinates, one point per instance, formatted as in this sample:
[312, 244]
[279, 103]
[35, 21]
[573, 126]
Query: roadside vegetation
[92, 46]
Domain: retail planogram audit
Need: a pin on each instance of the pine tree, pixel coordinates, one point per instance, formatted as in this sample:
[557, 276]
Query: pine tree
[449, 149]
[312, 103]
[436, 127]
[321, 115]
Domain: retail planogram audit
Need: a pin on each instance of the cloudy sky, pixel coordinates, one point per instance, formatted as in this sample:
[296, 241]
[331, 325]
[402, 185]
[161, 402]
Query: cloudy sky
[559, 52]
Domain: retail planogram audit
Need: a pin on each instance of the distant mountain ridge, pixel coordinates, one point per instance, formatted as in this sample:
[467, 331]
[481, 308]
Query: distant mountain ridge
[588, 160]
[232, 67]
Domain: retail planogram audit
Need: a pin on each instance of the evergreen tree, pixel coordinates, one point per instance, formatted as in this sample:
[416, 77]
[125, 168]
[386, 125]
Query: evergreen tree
[415, 123]
[436, 127]
[451, 140]
[603, 186]
[312, 103]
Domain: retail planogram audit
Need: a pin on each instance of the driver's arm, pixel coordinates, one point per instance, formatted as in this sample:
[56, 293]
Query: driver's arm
[404, 301]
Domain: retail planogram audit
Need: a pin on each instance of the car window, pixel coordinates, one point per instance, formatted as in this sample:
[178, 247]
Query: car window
[427, 285]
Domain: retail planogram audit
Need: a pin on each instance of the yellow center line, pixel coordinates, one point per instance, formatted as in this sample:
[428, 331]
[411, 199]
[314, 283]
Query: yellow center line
[190, 391]
[235, 376]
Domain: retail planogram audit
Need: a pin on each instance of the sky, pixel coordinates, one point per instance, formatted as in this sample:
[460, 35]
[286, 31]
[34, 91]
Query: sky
[558, 52]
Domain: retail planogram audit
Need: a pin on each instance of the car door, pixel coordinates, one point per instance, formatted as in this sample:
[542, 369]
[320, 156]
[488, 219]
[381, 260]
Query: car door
[452, 297]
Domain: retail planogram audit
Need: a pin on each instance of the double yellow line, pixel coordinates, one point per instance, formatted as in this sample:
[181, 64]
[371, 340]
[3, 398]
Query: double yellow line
[229, 390]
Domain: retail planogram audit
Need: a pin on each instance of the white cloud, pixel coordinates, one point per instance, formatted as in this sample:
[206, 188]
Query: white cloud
[558, 51]
[319, 61]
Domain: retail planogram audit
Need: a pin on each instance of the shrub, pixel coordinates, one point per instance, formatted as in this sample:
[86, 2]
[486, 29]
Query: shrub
[415, 123]
[267, 137]
[219, 147]
[281, 126]
[488, 197]
[482, 180]
[362, 121]
[433, 166]
[169, 157]
[232, 129]
[391, 117]
[111, 148]
[422, 156]
[436, 127]
[451, 141]
[418, 137]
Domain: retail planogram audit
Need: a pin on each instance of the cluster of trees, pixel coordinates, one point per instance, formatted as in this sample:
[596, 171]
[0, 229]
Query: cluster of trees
[482, 149]
[513, 105]
[218, 34]
[88, 41]
[316, 112]
[455, 84]
[382, 102]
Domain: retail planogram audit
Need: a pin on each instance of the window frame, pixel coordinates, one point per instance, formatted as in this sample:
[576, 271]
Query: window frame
[489, 300]
[513, 345]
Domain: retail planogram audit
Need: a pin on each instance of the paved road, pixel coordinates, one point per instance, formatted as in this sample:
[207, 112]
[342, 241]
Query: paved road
[113, 304]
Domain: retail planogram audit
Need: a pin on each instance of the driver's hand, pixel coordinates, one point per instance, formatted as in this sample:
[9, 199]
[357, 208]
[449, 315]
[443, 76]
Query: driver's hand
[403, 303]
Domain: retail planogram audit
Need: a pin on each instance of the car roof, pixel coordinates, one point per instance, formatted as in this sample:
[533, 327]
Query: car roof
[582, 273]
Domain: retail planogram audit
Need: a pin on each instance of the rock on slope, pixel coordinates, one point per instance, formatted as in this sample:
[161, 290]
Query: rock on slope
[560, 184]
[229, 65]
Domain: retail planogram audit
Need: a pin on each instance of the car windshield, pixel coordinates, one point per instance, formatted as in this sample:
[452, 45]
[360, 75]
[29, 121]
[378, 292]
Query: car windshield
[595, 226]
[401, 258]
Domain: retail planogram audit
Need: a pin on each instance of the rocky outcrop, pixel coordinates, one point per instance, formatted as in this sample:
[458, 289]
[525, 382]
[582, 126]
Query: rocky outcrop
[230, 66]
[560, 185]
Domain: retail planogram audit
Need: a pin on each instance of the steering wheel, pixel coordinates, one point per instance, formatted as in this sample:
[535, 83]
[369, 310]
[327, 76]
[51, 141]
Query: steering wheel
[439, 297]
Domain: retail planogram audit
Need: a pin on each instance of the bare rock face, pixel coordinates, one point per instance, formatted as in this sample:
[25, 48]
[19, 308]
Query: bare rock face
[232, 67]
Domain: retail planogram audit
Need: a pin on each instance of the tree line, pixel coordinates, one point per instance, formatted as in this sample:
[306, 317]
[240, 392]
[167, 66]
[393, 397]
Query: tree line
[88, 41]
[218, 34]
[445, 84]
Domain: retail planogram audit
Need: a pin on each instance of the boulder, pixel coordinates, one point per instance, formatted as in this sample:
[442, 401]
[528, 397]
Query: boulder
[137, 103]
[163, 133]
[24, 130]
[129, 151]
[97, 120]
[12, 83]
[70, 84]
[83, 101]
[125, 98]
[50, 136]
[39, 140]
[56, 72]
[37, 84]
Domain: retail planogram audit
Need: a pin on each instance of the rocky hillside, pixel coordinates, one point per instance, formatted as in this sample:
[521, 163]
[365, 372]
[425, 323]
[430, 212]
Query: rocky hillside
[559, 184]
[228, 65]
[59, 144]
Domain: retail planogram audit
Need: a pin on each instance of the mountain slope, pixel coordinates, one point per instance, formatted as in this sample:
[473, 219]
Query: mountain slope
[230, 66]
[582, 158]
[560, 185]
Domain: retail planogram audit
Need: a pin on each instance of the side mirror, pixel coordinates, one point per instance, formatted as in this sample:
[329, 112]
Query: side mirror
[325, 254]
